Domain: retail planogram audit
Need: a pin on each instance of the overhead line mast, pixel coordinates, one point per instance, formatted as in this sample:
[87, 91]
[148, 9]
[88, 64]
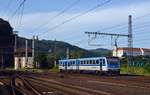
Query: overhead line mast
[130, 40]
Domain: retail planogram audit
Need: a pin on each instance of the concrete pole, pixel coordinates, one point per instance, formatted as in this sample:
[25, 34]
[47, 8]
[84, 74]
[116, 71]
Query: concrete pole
[15, 47]
[33, 48]
[68, 54]
[26, 54]
[55, 53]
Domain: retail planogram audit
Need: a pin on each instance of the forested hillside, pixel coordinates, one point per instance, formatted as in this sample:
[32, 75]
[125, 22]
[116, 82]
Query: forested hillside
[47, 46]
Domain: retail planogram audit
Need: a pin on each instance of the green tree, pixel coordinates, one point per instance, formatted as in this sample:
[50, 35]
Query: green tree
[76, 54]
[109, 53]
[42, 60]
[124, 55]
[50, 60]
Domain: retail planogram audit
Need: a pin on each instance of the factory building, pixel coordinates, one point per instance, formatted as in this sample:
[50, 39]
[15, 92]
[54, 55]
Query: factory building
[119, 52]
[21, 61]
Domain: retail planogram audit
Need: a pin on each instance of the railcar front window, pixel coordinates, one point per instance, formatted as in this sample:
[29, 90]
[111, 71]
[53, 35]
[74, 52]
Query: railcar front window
[103, 61]
[113, 62]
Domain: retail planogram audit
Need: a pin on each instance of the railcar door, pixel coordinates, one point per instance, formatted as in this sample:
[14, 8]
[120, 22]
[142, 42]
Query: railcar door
[77, 65]
[101, 65]
[65, 66]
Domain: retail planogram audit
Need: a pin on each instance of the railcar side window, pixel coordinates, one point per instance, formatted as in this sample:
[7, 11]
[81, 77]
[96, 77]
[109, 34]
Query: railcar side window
[81, 62]
[85, 62]
[88, 62]
[94, 61]
[73, 62]
[97, 61]
[91, 62]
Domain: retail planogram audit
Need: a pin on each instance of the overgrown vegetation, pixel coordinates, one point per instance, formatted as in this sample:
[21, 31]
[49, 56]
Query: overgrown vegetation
[56, 68]
[140, 66]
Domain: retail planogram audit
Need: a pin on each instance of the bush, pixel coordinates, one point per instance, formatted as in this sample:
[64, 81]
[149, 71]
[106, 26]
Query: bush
[147, 68]
[56, 68]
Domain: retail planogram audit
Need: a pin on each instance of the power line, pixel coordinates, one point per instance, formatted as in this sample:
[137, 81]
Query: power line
[125, 24]
[20, 17]
[20, 5]
[75, 17]
[59, 14]
[7, 8]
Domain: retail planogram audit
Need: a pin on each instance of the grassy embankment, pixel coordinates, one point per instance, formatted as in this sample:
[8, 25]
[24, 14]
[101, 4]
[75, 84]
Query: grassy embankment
[136, 70]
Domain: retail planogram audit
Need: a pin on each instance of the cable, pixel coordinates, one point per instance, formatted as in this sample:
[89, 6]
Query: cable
[57, 15]
[20, 17]
[123, 24]
[20, 5]
[75, 17]
[7, 8]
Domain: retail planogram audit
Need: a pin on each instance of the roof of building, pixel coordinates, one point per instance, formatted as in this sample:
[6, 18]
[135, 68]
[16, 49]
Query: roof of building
[23, 49]
[134, 49]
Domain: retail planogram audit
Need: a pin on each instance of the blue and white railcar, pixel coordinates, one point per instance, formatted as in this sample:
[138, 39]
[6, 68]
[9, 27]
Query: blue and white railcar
[97, 64]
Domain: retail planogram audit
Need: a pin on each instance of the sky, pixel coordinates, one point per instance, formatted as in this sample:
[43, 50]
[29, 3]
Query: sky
[43, 19]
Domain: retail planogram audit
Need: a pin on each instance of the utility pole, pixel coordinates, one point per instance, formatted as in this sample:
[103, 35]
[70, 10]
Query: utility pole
[15, 47]
[26, 54]
[33, 49]
[68, 54]
[55, 52]
[16, 39]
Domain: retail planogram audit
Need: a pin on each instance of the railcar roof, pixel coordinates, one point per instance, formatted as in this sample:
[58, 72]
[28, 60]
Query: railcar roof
[81, 59]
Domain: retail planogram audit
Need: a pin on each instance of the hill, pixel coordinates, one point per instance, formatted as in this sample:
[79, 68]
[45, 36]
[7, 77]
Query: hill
[102, 51]
[47, 46]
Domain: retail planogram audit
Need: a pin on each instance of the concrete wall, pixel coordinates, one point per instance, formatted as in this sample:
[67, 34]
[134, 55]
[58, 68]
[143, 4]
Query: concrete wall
[20, 62]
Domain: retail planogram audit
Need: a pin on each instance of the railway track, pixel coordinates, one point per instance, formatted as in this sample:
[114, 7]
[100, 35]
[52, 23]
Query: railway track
[53, 83]
[65, 88]
[20, 86]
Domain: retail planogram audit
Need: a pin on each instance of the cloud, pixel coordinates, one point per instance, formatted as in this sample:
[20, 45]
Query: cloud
[92, 21]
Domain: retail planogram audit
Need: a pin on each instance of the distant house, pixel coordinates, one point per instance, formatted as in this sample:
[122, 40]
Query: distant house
[119, 52]
[20, 59]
